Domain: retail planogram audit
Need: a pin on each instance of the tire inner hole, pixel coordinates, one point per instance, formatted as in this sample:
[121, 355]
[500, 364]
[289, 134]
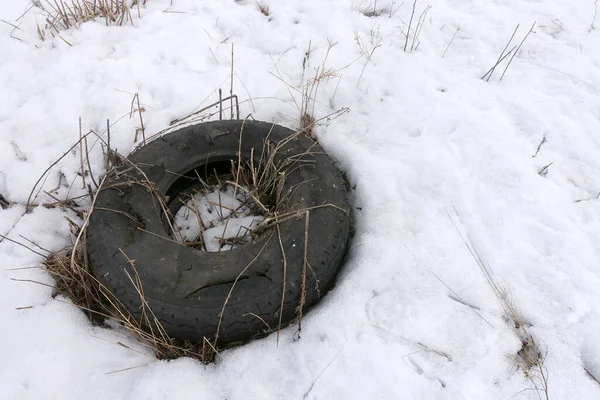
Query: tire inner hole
[212, 207]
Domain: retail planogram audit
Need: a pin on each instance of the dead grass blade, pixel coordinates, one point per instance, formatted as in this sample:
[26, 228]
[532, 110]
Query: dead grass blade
[31, 197]
[65, 14]
[530, 359]
[233, 287]
[22, 245]
[303, 284]
[283, 285]
[517, 50]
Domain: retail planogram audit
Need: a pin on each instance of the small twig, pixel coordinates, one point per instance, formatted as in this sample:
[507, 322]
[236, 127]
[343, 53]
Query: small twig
[87, 157]
[305, 60]
[220, 104]
[544, 170]
[366, 53]
[263, 7]
[231, 83]
[233, 286]
[438, 352]
[591, 198]
[566, 74]
[84, 224]
[303, 284]
[539, 146]
[269, 222]
[516, 51]
[501, 56]
[81, 156]
[591, 376]
[13, 25]
[284, 282]
[237, 180]
[312, 385]
[261, 319]
[4, 204]
[189, 118]
[592, 25]
[22, 245]
[451, 40]
[419, 27]
[32, 281]
[456, 296]
[491, 70]
[200, 223]
[18, 153]
[136, 98]
[36, 245]
[412, 14]
[15, 28]
[108, 150]
[130, 368]
[67, 203]
[141, 119]
[253, 197]
[65, 40]
[28, 204]
[464, 303]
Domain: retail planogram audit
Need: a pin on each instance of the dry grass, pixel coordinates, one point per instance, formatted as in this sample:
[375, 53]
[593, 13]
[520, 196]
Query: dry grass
[263, 7]
[64, 14]
[593, 23]
[139, 110]
[263, 181]
[366, 50]
[504, 54]
[530, 359]
[413, 33]
[451, 40]
[374, 11]
[75, 279]
[310, 91]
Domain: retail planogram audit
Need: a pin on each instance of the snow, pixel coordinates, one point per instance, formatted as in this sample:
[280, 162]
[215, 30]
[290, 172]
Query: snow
[208, 213]
[428, 145]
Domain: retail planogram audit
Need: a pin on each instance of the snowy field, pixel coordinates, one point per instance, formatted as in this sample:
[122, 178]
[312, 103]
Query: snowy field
[435, 152]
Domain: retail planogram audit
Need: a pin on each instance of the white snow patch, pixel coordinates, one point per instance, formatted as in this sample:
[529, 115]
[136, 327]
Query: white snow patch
[216, 215]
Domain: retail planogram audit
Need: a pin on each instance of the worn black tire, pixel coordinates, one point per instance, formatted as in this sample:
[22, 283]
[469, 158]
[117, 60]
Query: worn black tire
[186, 288]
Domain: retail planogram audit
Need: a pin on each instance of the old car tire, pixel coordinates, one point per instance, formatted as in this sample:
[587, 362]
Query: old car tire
[186, 288]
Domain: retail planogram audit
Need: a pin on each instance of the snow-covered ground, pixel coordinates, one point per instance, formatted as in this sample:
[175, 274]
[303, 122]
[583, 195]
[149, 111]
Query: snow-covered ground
[426, 142]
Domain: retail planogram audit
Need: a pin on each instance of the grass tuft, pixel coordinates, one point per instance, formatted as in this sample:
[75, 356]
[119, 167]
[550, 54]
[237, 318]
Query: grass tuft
[64, 14]
[511, 53]
[263, 7]
[373, 11]
[530, 359]
[310, 90]
[414, 33]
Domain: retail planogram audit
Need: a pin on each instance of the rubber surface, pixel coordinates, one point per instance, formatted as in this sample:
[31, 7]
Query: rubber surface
[186, 288]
